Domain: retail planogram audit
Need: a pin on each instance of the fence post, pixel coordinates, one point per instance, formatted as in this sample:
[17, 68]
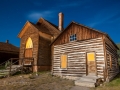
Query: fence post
[22, 65]
[32, 63]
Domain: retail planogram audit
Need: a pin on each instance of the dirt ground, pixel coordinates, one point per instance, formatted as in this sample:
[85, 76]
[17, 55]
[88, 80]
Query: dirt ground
[44, 81]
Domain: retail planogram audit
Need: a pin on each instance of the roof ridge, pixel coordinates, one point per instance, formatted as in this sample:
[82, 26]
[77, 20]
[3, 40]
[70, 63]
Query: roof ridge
[89, 27]
[8, 47]
[85, 27]
[49, 23]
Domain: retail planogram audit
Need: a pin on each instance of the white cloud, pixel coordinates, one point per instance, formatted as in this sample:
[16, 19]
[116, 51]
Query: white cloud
[35, 15]
[92, 24]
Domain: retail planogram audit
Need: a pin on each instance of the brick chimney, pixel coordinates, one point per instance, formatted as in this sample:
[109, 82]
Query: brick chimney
[60, 27]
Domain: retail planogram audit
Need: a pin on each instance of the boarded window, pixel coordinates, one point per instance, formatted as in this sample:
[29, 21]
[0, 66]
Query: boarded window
[91, 56]
[63, 61]
[29, 43]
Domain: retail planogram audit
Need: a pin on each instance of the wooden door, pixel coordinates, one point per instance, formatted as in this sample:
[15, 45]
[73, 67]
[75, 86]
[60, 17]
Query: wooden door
[28, 54]
[28, 51]
[91, 64]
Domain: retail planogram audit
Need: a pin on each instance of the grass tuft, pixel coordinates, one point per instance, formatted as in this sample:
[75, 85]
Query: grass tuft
[112, 85]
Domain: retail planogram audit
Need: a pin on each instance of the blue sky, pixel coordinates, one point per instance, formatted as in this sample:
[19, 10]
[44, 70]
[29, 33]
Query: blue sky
[103, 15]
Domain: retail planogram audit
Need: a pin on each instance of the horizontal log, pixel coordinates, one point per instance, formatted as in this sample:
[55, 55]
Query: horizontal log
[110, 43]
[87, 41]
[65, 73]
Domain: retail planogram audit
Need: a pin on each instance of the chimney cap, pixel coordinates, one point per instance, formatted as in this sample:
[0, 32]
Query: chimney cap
[7, 41]
[60, 13]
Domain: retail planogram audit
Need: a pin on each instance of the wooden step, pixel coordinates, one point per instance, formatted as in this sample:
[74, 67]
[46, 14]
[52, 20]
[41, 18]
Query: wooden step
[88, 81]
[14, 69]
[6, 70]
[14, 66]
[89, 78]
[84, 83]
[4, 73]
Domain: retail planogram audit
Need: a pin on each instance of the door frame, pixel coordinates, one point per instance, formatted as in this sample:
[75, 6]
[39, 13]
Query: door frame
[87, 63]
[28, 45]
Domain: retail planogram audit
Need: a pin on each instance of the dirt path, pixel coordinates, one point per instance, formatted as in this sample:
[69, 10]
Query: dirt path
[79, 88]
[42, 82]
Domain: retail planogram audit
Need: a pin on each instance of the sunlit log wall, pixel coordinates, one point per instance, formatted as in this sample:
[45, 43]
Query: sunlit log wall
[77, 57]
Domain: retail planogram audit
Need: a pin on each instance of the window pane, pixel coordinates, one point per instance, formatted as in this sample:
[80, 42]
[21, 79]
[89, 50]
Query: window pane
[73, 37]
[29, 43]
[70, 39]
[91, 56]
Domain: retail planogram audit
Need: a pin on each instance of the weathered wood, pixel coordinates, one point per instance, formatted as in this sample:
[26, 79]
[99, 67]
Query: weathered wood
[42, 34]
[111, 59]
[77, 56]
[82, 34]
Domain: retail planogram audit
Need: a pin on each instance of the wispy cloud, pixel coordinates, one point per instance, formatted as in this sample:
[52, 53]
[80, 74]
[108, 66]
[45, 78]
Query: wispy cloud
[35, 15]
[101, 17]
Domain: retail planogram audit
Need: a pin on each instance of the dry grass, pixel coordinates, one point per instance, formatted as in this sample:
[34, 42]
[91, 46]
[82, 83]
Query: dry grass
[44, 81]
[113, 85]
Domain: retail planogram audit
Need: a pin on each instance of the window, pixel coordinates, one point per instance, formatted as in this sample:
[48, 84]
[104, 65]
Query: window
[91, 56]
[63, 61]
[73, 37]
[29, 43]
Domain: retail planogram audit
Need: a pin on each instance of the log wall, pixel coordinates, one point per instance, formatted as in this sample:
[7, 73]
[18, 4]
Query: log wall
[111, 59]
[76, 52]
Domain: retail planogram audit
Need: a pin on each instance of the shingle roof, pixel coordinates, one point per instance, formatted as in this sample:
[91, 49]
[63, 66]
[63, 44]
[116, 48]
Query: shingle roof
[47, 27]
[7, 47]
[43, 26]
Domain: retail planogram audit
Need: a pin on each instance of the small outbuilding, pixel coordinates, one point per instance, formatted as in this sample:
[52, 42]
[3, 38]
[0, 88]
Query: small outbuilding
[7, 51]
[81, 51]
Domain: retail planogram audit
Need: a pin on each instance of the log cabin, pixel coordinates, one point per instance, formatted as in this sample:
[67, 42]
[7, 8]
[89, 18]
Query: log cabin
[35, 43]
[81, 51]
[7, 51]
